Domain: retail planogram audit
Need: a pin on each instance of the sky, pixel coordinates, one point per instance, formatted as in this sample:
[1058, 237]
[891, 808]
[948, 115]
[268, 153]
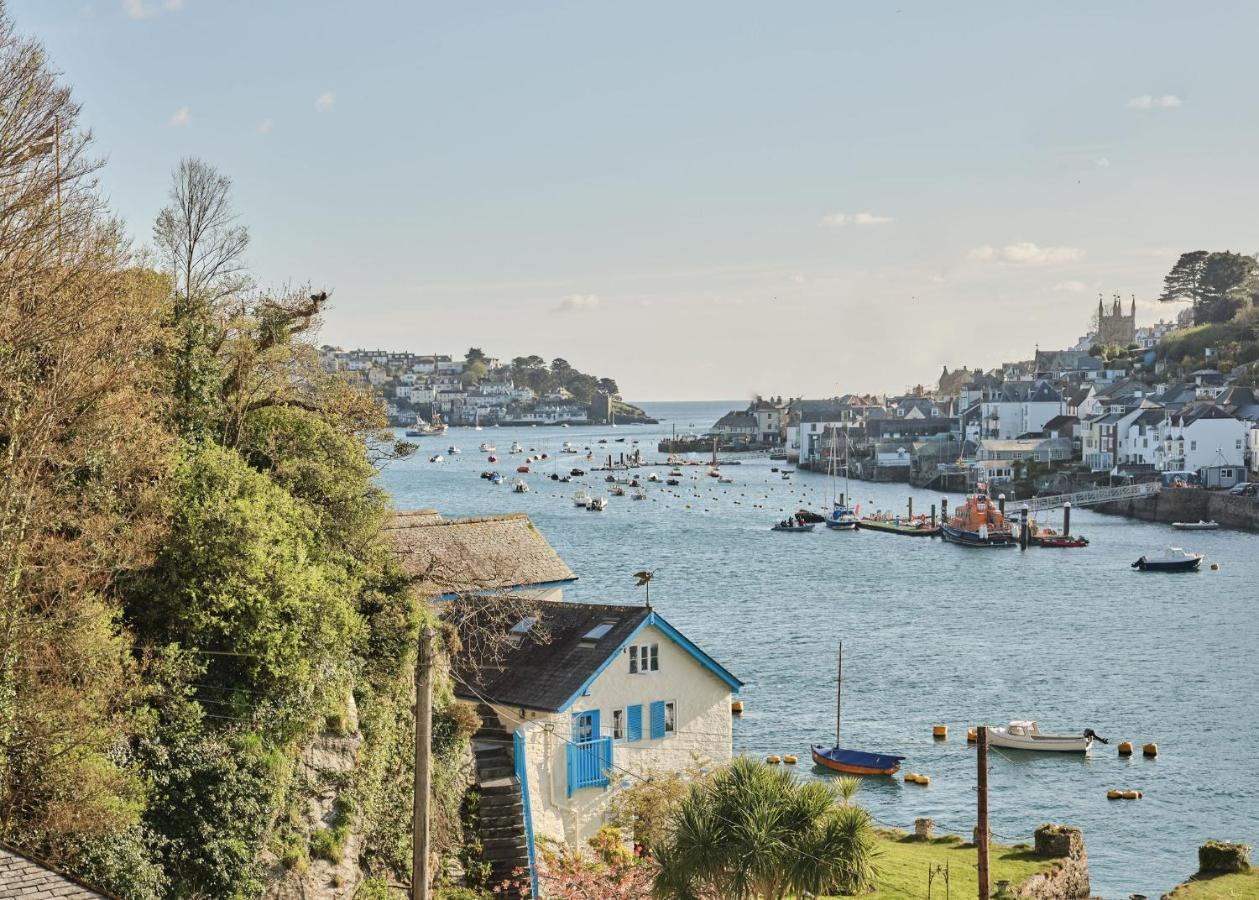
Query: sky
[700, 199]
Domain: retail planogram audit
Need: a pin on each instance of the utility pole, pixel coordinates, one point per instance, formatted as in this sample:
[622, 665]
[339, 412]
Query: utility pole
[981, 831]
[423, 765]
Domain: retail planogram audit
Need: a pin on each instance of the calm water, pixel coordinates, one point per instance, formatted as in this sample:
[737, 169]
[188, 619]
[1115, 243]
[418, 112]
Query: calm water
[932, 633]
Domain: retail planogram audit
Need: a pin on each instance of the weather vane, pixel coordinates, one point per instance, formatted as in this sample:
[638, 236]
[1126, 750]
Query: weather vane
[644, 580]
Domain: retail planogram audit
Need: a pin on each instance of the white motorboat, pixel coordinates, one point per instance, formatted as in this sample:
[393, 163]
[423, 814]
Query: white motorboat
[581, 498]
[452, 450]
[617, 491]
[1026, 735]
[1197, 526]
[654, 476]
[725, 479]
[487, 447]
[519, 486]
[1172, 559]
[436, 457]
[516, 447]
[597, 504]
[640, 494]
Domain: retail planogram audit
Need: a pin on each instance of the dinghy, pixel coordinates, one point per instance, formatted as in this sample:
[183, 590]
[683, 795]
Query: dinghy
[1026, 735]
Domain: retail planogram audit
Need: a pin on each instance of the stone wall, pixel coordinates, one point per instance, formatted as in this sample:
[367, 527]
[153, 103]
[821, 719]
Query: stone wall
[1069, 877]
[1190, 505]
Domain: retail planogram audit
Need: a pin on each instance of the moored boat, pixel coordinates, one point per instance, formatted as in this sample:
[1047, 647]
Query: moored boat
[1172, 559]
[581, 498]
[1026, 735]
[978, 523]
[792, 525]
[845, 759]
[1199, 525]
[597, 504]
[519, 486]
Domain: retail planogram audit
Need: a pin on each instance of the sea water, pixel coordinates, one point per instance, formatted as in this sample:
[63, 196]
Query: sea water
[932, 633]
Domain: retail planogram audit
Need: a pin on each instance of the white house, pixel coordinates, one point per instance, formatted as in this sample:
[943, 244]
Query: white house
[1201, 436]
[595, 695]
[1020, 407]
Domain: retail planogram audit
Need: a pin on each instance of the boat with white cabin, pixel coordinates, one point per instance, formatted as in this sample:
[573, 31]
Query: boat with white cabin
[1199, 525]
[581, 498]
[597, 504]
[1172, 559]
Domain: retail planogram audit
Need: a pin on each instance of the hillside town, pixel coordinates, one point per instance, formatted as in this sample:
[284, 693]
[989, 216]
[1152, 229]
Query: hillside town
[479, 390]
[1110, 409]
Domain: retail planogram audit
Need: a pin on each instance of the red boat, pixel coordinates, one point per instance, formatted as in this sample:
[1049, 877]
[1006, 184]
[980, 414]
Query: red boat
[522, 468]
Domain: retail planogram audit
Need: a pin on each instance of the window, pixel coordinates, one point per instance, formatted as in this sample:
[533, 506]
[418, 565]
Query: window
[670, 716]
[644, 658]
[586, 726]
[1193, 445]
[618, 724]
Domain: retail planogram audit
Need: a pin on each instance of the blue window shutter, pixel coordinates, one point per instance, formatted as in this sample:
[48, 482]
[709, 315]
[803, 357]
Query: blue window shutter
[657, 719]
[634, 723]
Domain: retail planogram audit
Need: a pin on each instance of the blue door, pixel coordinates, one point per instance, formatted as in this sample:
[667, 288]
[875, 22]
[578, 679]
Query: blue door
[586, 725]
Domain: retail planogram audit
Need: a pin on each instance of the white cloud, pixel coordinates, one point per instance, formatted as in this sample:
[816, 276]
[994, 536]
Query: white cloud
[577, 303]
[1071, 287]
[1148, 101]
[1025, 253]
[839, 219]
[264, 127]
[182, 118]
[325, 101]
[145, 9]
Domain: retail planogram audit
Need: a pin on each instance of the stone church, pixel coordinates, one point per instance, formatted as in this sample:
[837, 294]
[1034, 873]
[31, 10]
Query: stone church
[1115, 327]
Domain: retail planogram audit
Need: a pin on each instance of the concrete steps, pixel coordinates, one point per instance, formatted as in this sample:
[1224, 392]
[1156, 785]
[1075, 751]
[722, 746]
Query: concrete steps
[501, 827]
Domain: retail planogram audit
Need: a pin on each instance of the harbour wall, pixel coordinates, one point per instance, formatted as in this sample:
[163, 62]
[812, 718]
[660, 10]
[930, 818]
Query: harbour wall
[1189, 505]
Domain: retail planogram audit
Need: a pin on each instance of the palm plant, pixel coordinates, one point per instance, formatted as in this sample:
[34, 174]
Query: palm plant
[751, 831]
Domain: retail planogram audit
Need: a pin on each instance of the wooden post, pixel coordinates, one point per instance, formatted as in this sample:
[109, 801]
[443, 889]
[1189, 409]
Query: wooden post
[423, 765]
[981, 830]
[1066, 519]
[933, 515]
[1025, 528]
[911, 507]
[944, 509]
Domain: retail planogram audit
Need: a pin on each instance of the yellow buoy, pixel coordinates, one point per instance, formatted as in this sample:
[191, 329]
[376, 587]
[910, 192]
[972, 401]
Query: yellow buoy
[971, 737]
[736, 707]
[915, 778]
[924, 780]
[1132, 795]
[940, 731]
[1114, 794]
[773, 760]
[1125, 748]
[1150, 749]
[789, 759]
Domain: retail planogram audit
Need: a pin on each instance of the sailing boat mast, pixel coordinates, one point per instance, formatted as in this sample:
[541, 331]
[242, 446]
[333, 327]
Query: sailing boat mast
[839, 692]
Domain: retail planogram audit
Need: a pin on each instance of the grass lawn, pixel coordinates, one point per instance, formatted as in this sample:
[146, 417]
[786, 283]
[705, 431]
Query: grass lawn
[1219, 887]
[904, 860]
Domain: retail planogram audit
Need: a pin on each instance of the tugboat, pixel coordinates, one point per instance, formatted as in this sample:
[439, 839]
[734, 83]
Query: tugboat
[979, 523]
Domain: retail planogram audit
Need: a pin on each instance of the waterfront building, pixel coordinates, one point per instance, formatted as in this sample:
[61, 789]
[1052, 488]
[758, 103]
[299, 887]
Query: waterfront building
[736, 426]
[594, 696]
[1018, 408]
[1201, 436]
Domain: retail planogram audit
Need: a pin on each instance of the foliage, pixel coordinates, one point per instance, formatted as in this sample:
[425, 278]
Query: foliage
[1218, 284]
[647, 806]
[750, 831]
[533, 372]
[610, 872]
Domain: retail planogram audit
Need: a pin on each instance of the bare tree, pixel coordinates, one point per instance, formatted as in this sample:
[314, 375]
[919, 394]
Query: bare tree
[199, 238]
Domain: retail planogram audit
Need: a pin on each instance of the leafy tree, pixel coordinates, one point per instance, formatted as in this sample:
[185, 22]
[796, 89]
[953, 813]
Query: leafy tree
[1218, 284]
[475, 355]
[473, 372]
[751, 831]
[608, 386]
[1183, 282]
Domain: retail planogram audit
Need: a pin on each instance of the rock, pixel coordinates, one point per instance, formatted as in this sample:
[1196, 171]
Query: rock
[923, 827]
[1223, 856]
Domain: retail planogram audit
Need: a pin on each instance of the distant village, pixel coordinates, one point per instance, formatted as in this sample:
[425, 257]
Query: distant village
[1109, 408]
[481, 390]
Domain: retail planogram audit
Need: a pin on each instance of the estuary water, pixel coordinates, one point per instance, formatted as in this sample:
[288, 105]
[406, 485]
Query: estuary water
[932, 633]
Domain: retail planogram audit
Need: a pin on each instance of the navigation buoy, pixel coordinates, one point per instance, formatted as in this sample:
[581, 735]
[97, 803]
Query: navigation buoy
[1114, 794]
[1150, 749]
[789, 759]
[773, 760]
[971, 736]
[915, 778]
[939, 732]
[1125, 748]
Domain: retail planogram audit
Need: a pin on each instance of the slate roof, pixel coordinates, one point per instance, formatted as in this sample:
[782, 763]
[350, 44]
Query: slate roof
[556, 657]
[23, 876]
[473, 554]
[552, 661]
[736, 419]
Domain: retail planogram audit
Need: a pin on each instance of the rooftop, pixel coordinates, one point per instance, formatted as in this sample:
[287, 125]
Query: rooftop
[473, 554]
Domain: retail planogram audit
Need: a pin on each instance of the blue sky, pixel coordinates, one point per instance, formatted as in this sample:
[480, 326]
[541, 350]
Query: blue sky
[704, 199]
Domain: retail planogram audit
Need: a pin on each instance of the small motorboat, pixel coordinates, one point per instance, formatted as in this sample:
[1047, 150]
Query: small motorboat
[654, 476]
[1026, 735]
[786, 476]
[640, 494]
[597, 504]
[581, 498]
[487, 447]
[1172, 559]
[516, 448]
[724, 479]
[487, 475]
[1197, 526]
[452, 450]
[523, 470]
[519, 486]
[617, 491]
[792, 525]
[673, 482]
[1059, 541]
[577, 473]
[496, 478]
[436, 457]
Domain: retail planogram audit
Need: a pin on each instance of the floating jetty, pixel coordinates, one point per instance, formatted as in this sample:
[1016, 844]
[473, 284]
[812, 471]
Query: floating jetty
[914, 528]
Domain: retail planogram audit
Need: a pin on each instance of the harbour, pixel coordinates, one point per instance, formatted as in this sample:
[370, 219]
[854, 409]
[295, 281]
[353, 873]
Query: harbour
[933, 633]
